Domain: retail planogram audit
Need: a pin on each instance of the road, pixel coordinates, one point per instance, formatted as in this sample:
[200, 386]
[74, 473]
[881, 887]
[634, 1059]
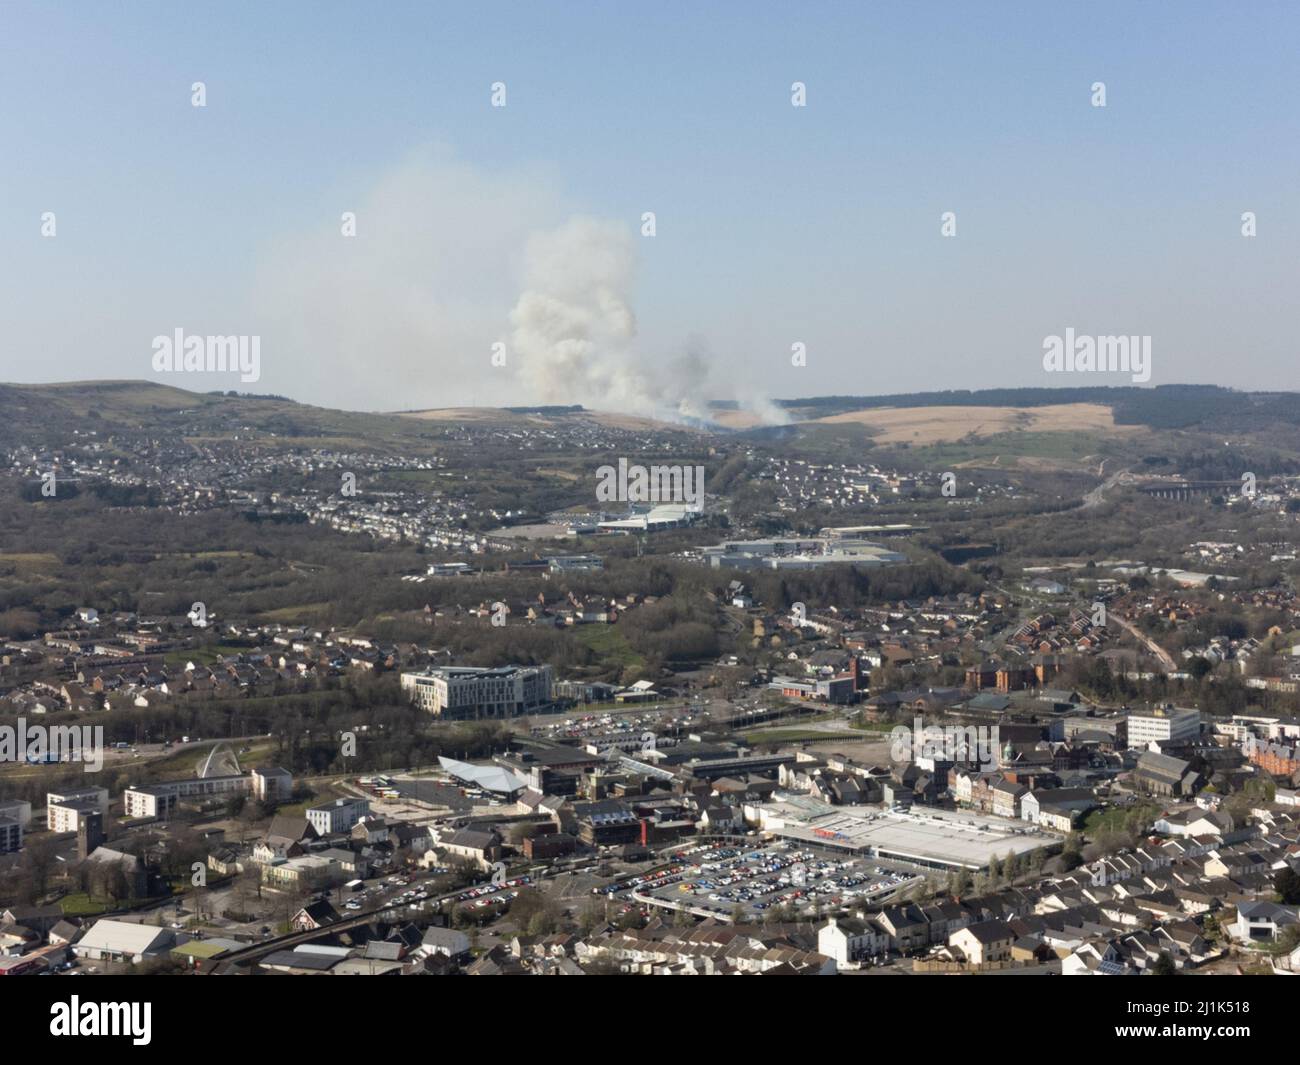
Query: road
[388, 910]
[1170, 665]
[1098, 495]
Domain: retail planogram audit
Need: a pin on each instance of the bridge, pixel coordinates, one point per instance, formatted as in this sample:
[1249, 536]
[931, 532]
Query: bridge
[1187, 489]
[222, 757]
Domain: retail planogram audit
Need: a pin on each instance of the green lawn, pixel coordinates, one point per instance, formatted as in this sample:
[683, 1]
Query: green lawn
[873, 726]
[610, 645]
[79, 904]
[302, 613]
[789, 735]
[1120, 818]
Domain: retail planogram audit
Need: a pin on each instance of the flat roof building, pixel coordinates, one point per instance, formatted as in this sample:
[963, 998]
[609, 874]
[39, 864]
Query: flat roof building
[161, 799]
[940, 839]
[1163, 725]
[808, 553]
[272, 784]
[63, 808]
[337, 816]
[459, 692]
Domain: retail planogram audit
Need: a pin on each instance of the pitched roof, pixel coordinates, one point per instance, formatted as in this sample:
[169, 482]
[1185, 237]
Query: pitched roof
[123, 937]
[989, 931]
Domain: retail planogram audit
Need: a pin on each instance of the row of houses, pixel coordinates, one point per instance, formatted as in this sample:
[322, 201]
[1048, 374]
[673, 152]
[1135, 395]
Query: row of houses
[1117, 914]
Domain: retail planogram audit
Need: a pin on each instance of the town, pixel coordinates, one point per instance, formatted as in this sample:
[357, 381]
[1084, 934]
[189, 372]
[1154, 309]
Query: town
[713, 742]
[532, 489]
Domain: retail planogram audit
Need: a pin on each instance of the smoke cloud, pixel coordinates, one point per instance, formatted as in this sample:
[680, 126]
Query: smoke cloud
[575, 332]
[446, 262]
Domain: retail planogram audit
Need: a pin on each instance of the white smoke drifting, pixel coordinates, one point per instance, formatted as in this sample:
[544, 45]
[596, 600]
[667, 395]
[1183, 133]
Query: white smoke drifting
[405, 314]
[575, 331]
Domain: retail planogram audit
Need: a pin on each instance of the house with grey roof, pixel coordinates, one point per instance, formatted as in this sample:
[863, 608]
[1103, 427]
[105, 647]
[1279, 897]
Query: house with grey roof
[445, 941]
[1262, 921]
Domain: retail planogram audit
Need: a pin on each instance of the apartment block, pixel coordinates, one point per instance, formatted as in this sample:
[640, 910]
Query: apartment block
[64, 809]
[466, 692]
[160, 800]
[1163, 725]
[337, 816]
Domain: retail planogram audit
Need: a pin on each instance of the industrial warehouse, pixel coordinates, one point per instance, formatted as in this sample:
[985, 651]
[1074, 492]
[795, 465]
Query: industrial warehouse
[924, 836]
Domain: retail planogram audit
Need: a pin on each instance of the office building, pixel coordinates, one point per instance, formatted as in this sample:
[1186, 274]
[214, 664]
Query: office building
[160, 800]
[337, 816]
[64, 809]
[272, 784]
[1163, 725]
[460, 692]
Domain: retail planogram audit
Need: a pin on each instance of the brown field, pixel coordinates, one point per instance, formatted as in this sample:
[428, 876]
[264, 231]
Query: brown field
[737, 419]
[614, 420]
[469, 414]
[18, 558]
[919, 426]
[490, 415]
[935, 425]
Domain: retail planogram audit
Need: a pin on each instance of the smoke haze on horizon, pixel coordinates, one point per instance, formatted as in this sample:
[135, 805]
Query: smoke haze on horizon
[777, 225]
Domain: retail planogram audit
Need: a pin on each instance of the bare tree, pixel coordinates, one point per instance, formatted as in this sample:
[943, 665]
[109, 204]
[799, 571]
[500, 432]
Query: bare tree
[39, 860]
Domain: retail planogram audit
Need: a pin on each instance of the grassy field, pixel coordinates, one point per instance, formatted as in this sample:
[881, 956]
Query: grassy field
[873, 726]
[31, 560]
[301, 614]
[1025, 450]
[920, 426]
[788, 735]
[325, 792]
[79, 904]
[610, 644]
[1118, 819]
[183, 763]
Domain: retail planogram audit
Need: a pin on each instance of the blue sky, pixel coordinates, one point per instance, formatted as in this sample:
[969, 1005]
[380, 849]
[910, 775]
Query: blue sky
[775, 224]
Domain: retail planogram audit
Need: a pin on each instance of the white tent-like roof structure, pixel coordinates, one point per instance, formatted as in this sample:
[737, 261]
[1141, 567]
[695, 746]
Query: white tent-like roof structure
[494, 778]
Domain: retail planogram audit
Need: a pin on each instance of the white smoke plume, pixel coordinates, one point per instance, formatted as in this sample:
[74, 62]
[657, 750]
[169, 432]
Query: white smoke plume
[575, 333]
[404, 315]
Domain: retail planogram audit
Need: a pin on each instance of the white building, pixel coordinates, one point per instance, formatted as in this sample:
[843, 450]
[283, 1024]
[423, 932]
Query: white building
[447, 941]
[108, 940]
[17, 809]
[1163, 725]
[809, 553]
[850, 939]
[272, 784]
[575, 563]
[159, 800]
[63, 809]
[337, 816]
[467, 692]
[312, 870]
